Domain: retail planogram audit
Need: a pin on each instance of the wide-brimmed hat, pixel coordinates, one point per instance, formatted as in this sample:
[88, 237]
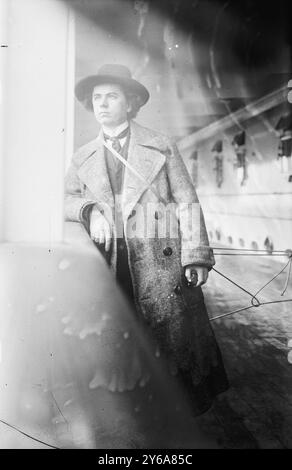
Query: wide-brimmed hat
[110, 73]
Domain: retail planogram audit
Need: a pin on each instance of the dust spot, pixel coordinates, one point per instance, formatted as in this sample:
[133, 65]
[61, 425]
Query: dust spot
[57, 420]
[105, 317]
[97, 381]
[64, 264]
[90, 330]
[97, 328]
[68, 331]
[144, 380]
[68, 402]
[40, 308]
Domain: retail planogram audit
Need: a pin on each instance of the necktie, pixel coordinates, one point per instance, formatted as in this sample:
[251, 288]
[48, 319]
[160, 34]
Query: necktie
[115, 140]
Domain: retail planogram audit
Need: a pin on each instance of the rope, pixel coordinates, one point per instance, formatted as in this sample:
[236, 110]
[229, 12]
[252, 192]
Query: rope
[276, 275]
[249, 254]
[28, 435]
[246, 308]
[235, 283]
[287, 280]
[254, 300]
[284, 252]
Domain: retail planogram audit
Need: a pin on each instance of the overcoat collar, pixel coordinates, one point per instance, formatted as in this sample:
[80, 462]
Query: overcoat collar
[146, 154]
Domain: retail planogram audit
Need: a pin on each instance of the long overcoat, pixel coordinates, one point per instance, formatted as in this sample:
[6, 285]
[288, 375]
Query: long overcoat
[175, 311]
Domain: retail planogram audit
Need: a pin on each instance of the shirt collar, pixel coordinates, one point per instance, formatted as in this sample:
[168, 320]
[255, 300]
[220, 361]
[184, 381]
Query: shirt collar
[114, 132]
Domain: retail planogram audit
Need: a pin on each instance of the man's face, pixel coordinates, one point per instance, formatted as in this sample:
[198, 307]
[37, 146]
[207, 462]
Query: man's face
[110, 105]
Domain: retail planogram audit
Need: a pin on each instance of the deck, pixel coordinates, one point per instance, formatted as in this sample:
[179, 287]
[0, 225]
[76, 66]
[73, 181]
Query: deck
[256, 412]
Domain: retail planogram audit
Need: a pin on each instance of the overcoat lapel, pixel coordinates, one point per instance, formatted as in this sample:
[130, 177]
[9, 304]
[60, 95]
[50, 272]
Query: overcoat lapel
[93, 172]
[145, 156]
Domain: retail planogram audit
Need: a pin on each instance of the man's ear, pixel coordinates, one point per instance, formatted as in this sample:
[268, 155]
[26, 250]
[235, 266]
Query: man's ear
[129, 107]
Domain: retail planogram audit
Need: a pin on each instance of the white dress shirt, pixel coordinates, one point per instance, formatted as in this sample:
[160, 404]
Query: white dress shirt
[116, 131]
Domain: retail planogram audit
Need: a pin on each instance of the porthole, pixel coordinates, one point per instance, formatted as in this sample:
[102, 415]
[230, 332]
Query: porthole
[269, 245]
[254, 246]
[241, 242]
[218, 234]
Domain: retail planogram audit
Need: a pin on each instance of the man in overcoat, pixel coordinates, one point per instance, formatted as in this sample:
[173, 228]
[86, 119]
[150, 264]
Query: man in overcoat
[132, 191]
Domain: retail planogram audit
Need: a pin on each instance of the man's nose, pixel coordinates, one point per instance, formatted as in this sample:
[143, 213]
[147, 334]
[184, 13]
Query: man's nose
[104, 102]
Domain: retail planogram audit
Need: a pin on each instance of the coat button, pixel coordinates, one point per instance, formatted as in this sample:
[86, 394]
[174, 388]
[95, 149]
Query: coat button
[167, 251]
[177, 290]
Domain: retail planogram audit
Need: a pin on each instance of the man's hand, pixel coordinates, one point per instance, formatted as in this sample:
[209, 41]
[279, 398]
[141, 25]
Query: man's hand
[100, 230]
[196, 275]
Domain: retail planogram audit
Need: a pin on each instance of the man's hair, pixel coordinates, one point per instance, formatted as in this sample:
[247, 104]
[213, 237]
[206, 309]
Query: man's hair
[135, 102]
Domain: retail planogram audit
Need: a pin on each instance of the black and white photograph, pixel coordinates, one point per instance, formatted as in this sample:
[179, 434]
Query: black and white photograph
[145, 227]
